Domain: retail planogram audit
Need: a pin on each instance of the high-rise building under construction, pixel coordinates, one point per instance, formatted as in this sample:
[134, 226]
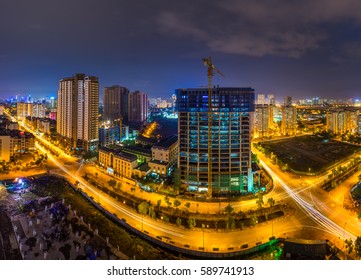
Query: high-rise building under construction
[230, 132]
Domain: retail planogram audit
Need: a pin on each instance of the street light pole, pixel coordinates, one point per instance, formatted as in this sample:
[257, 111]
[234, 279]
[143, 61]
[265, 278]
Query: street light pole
[203, 226]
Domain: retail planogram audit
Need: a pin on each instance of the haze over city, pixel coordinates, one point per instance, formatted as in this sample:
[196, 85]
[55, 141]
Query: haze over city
[303, 49]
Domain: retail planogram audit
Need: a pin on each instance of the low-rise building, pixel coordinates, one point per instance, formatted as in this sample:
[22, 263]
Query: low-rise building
[164, 156]
[15, 141]
[117, 163]
[142, 154]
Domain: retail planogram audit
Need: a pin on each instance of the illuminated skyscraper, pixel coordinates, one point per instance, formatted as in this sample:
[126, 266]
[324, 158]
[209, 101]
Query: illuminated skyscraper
[231, 116]
[77, 111]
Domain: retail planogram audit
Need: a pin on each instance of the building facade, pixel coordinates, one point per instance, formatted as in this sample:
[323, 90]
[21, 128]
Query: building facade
[24, 109]
[5, 147]
[109, 135]
[289, 120]
[138, 107]
[164, 156]
[339, 121]
[224, 131]
[115, 103]
[77, 112]
[117, 163]
[262, 116]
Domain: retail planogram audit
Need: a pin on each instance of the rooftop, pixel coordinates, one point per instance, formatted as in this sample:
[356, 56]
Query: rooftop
[167, 142]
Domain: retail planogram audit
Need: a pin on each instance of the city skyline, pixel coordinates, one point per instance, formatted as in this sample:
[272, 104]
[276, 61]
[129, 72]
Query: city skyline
[295, 49]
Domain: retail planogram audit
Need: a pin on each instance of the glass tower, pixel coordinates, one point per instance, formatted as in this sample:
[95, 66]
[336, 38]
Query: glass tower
[230, 133]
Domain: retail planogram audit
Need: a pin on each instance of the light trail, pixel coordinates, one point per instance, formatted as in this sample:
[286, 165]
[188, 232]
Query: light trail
[134, 216]
[310, 210]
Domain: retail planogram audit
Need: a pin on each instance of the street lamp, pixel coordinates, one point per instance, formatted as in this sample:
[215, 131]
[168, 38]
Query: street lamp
[203, 226]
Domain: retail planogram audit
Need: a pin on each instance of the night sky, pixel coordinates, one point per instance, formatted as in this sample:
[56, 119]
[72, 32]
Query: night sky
[300, 48]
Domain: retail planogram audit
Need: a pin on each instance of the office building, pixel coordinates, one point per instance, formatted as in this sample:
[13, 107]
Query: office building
[228, 139]
[77, 112]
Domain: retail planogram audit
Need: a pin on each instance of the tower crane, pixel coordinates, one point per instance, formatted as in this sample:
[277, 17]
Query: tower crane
[211, 71]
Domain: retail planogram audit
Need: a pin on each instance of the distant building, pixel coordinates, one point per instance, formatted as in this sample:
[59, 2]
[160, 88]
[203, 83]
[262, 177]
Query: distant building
[124, 132]
[21, 141]
[115, 103]
[359, 124]
[271, 99]
[339, 121]
[24, 109]
[262, 115]
[13, 142]
[39, 111]
[289, 120]
[287, 101]
[5, 147]
[261, 99]
[164, 156]
[109, 135]
[77, 112]
[138, 107]
[117, 163]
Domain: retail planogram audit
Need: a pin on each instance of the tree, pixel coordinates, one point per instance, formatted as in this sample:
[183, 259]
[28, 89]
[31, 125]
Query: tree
[357, 246]
[230, 223]
[349, 245]
[260, 200]
[143, 208]
[229, 209]
[179, 222]
[187, 204]
[159, 202]
[255, 158]
[271, 202]
[216, 224]
[176, 203]
[151, 212]
[119, 186]
[112, 183]
[254, 219]
[191, 223]
[166, 199]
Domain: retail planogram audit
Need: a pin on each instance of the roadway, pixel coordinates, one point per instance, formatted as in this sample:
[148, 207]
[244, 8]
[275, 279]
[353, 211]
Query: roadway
[312, 211]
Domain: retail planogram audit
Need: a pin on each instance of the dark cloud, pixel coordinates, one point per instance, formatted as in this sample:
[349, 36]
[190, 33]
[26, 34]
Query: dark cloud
[156, 46]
